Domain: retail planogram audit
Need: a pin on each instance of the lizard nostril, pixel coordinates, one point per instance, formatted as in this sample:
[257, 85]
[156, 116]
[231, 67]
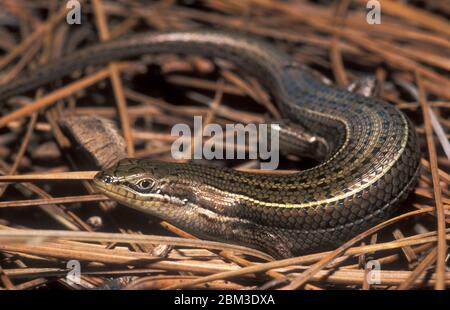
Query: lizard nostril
[104, 177]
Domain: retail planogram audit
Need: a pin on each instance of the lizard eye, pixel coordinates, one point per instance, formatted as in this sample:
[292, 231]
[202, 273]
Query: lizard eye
[145, 184]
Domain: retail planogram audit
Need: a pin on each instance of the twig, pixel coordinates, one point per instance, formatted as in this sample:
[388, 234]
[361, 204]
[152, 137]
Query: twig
[440, 215]
[102, 25]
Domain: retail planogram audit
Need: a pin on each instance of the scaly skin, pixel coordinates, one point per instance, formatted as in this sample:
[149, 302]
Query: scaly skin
[370, 164]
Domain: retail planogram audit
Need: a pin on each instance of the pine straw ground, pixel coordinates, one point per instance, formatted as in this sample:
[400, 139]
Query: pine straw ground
[408, 54]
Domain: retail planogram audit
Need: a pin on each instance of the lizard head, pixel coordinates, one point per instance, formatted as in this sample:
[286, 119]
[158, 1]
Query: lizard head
[145, 185]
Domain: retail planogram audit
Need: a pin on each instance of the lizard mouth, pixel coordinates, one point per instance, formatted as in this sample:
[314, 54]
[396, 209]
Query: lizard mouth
[113, 188]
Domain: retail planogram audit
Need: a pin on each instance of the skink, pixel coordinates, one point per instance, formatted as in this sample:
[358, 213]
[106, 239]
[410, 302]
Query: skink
[368, 151]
